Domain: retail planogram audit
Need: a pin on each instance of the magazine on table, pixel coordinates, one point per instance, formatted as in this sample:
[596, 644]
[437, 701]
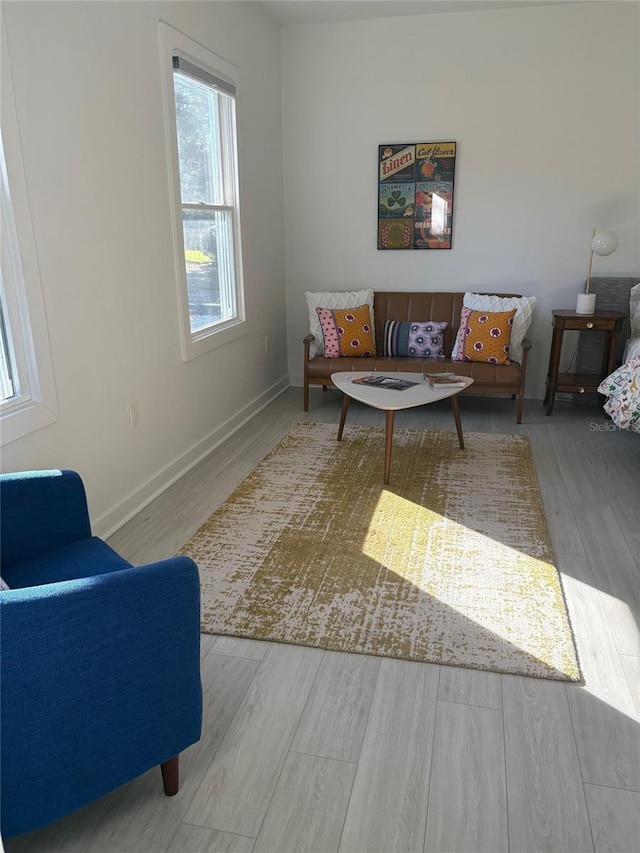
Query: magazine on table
[444, 380]
[378, 380]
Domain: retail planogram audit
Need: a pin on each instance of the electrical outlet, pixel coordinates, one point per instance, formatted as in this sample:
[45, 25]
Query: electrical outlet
[267, 344]
[134, 414]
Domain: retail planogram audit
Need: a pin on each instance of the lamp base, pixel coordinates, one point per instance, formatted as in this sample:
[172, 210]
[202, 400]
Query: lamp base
[586, 303]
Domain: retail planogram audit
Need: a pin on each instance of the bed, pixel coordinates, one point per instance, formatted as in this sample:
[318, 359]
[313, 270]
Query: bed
[622, 387]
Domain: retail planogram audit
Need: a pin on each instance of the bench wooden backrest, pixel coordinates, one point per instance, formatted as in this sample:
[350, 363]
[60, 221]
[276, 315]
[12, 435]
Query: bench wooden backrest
[420, 306]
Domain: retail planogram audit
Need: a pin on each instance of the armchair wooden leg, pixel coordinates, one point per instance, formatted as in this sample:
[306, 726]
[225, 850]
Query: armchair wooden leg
[171, 775]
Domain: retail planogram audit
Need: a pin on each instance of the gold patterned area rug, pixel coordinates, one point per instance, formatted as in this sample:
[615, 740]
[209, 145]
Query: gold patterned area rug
[451, 563]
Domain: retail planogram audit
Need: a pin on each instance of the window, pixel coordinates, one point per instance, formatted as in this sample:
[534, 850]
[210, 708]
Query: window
[202, 129]
[9, 387]
[27, 390]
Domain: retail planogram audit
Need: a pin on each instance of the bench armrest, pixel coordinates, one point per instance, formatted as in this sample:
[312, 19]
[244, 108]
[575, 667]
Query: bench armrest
[307, 341]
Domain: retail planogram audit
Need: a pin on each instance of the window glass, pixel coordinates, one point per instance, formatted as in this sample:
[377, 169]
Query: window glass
[208, 251]
[8, 386]
[198, 128]
[27, 392]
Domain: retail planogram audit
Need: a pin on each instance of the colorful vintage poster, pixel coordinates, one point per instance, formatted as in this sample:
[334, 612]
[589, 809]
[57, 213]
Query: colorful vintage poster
[415, 194]
[397, 200]
[397, 163]
[395, 233]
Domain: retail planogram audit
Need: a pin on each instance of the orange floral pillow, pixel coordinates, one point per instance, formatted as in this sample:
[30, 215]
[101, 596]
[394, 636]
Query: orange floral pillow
[347, 332]
[487, 335]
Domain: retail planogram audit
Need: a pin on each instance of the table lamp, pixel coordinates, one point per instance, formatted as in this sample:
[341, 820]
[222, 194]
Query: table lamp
[602, 243]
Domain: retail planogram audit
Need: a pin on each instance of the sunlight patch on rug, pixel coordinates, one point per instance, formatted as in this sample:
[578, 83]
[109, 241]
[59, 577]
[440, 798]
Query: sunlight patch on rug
[450, 564]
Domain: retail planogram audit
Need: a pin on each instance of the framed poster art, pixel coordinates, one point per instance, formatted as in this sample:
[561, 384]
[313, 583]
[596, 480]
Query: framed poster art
[415, 195]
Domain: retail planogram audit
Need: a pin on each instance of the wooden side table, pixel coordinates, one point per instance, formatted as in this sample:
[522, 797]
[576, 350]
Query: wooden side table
[582, 383]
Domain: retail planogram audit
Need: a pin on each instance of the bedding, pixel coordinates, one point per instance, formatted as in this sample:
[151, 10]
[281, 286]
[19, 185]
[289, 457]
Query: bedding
[622, 388]
[633, 344]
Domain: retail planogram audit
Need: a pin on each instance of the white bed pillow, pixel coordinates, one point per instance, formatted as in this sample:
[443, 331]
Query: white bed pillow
[333, 300]
[524, 305]
[631, 349]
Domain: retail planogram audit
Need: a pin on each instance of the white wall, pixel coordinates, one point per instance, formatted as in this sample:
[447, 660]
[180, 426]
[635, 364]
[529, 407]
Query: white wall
[542, 102]
[88, 95]
[544, 106]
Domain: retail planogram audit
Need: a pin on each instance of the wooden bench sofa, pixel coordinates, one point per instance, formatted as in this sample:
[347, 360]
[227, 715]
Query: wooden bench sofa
[489, 379]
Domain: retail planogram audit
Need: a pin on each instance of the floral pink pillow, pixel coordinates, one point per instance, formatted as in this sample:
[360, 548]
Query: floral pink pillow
[347, 332]
[458, 347]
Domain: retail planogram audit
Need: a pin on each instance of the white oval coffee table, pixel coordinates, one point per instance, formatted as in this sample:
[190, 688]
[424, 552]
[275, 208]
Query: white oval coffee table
[391, 401]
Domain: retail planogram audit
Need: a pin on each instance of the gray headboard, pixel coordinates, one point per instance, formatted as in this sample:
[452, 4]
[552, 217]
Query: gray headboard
[612, 295]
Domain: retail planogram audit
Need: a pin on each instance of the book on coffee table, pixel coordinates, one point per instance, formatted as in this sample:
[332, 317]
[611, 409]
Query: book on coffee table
[377, 380]
[444, 380]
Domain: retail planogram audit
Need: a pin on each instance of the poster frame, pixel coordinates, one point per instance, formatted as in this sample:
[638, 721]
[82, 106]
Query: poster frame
[416, 195]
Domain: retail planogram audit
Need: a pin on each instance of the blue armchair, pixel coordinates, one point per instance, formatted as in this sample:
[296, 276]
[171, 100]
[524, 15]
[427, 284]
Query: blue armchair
[100, 660]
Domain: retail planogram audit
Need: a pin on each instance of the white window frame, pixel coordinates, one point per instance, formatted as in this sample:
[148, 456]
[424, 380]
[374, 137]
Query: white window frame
[35, 404]
[194, 344]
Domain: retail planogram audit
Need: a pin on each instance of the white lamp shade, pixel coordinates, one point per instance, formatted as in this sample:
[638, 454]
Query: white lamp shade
[604, 243]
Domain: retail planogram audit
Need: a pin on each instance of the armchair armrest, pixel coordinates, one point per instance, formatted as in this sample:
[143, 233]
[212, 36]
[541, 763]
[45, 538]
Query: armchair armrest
[100, 682]
[41, 511]
[526, 344]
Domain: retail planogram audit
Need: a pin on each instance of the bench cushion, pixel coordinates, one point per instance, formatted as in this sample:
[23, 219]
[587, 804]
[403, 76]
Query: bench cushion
[484, 375]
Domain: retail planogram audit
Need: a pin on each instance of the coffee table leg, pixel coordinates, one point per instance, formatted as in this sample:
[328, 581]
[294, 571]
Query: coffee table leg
[387, 446]
[456, 416]
[346, 399]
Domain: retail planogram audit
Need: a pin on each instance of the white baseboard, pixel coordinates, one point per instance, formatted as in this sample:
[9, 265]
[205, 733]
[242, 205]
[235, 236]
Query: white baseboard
[115, 518]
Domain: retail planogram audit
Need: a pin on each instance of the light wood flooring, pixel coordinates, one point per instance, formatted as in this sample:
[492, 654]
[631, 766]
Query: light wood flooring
[305, 750]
